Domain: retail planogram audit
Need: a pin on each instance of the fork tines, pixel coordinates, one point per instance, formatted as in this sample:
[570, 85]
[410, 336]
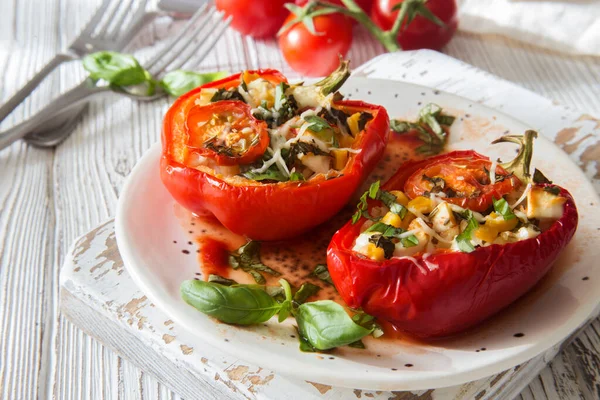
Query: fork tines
[206, 23]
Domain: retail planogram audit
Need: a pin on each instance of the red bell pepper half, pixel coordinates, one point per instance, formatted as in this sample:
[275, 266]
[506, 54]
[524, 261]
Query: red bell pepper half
[448, 291]
[260, 210]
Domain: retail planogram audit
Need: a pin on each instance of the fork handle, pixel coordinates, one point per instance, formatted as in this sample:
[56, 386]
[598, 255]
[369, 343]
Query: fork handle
[76, 96]
[26, 90]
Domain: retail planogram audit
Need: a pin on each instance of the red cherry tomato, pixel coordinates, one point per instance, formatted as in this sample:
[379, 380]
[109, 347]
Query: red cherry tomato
[257, 18]
[463, 178]
[420, 33]
[226, 132]
[316, 55]
[364, 4]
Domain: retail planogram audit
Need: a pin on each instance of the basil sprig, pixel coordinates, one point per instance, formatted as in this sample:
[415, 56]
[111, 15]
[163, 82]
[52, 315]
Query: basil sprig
[247, 258]
[124, 71]
[322, 273]
[429, 128]
[464, 239]
[322, 324]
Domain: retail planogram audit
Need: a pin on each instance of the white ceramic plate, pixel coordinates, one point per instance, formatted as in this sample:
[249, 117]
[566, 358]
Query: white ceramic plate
[146, 228]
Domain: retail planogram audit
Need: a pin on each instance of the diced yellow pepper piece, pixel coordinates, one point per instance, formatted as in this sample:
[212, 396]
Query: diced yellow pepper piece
[410, 217]
[375, 253]
[392, 219]
[401, 198]
[486, 233]
[498, 223]
[421, 204]
[249, 77]
[353, 123]
[340, 159]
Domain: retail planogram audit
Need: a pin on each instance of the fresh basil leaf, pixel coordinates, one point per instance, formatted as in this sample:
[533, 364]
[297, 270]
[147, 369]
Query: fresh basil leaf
[428, 115]
[409, 241]
[322, 273]
[179, 82]
[296, 176]
[361, 207]
[464, 239]
[398, 209]
[338, 118]
[357, 345]
[247, 258]
[378, 227]
[325, 324]
[374, 189]
[271, 174]
[367, 321]
[306, 290]
[501, 207]
[305, 346]
[239, 304]
[317, 124]
[115, 68]
[447, 120]
[385, 243]
[539, 177]
[304, 148]
[400, 126]
[224, 94]
[364, 118]
[280, 98]
[552, 189]
[258, 278]
[221, 280]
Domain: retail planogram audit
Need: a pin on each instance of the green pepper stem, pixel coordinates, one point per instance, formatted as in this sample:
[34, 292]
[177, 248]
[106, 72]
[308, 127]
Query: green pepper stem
[521, 164]
[336, 79]
[387, 38]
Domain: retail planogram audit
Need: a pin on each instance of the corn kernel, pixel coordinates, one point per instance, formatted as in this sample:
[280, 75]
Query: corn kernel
[375, 253]
[421, 204]
[401, 198]
[498, 223]
[353, 123]
[392, 219]
[340, 159]
[486, 233]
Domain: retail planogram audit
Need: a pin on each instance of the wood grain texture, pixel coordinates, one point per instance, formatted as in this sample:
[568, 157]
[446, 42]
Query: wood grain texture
[48, 198]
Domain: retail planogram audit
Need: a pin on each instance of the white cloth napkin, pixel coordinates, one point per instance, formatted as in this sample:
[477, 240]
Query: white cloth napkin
[571, 26]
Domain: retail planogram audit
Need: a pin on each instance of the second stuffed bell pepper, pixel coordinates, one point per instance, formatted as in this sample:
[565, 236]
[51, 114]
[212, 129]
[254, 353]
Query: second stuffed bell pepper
[268, 159]
[451, 240]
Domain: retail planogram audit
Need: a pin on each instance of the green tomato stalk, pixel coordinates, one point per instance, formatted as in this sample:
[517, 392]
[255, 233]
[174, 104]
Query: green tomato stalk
[408, 10]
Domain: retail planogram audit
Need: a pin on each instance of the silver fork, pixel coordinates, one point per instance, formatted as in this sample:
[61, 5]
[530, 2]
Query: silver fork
[173, 56]
[110, 28]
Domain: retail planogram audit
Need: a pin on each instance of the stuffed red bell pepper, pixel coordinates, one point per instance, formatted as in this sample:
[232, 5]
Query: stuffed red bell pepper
[451, 240]
[269, 159]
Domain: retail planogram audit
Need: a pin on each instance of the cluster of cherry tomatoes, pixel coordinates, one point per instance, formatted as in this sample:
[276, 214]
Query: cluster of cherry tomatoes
[317, 55]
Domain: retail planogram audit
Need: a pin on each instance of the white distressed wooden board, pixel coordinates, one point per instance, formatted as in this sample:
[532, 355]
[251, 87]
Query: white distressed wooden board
[98, 295]
[49, 197]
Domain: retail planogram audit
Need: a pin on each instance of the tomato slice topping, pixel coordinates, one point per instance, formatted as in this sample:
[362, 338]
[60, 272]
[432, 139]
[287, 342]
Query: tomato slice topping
[464, 181]
[227, 133]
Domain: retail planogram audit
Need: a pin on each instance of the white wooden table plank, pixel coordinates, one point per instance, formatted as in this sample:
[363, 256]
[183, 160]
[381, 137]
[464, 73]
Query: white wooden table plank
[48, 198]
